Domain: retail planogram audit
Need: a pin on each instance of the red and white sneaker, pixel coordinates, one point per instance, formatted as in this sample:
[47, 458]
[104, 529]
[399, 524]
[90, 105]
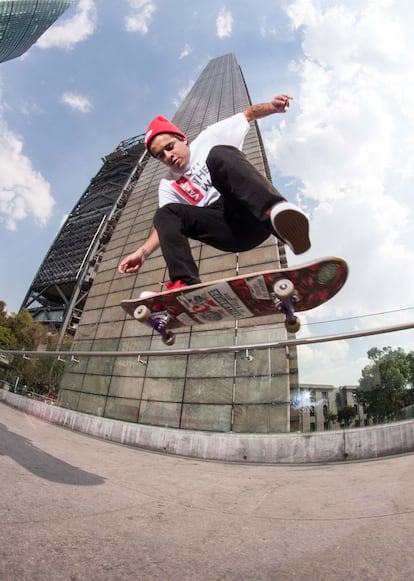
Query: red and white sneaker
[291, 226]
[168, 285]
[173, 285]
[147, 294]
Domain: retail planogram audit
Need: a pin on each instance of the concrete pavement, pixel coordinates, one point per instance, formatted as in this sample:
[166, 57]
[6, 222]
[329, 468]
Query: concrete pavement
[77, 508]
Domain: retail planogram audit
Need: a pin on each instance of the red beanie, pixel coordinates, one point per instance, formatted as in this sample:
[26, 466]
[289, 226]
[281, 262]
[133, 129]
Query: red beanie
[160, 125]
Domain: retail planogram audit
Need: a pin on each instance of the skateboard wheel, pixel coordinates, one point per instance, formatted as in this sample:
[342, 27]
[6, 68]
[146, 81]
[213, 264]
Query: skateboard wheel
[293, 327]
[169, 339]
[142, 313]
[283, 288]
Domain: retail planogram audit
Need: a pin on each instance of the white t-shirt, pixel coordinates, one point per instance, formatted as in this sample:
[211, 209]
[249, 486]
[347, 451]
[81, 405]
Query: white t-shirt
[193, 185]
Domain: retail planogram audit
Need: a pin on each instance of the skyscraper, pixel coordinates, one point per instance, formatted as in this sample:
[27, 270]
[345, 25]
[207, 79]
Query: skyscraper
[22, 22]
[220, 392]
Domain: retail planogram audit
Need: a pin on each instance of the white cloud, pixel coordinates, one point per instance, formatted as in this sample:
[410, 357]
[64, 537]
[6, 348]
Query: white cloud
[183, 92]
[348, 143]
[24, 192]
[267, 28]
[186, 51]
[141, 16]
[347, 146]
[224, 23]
[321, 363]
[72, 30]
[77, 101]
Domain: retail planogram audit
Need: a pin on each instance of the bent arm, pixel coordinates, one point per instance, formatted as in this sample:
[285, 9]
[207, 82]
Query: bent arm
[279, 104]
[152, 243]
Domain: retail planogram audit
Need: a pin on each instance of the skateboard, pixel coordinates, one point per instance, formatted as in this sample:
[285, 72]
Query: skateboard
[286, 291]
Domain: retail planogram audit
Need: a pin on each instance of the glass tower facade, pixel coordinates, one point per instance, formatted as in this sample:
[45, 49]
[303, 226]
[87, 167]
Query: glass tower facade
[221, 392]
[59, 290]
[22, 22]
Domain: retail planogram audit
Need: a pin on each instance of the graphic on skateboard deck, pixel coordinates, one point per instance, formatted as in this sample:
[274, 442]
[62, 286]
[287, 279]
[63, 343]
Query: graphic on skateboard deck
[286, 290]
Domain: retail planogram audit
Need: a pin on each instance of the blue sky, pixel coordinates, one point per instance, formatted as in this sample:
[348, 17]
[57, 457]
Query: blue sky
[344, 149]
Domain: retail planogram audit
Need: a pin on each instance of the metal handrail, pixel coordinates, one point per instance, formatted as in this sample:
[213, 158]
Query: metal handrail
[219, 349]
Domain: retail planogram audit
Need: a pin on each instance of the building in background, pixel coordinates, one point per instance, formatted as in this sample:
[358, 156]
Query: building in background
[221, 392]
[317, 408]
[22, 22]
[59, 289]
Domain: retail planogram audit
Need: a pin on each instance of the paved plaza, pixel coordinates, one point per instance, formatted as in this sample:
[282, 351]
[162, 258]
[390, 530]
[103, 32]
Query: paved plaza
[75, 508]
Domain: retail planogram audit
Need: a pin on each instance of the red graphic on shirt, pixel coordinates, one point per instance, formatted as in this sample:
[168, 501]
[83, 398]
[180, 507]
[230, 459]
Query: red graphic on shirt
[186, 189]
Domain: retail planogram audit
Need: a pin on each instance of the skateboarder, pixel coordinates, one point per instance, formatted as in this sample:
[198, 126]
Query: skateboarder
[214, 195]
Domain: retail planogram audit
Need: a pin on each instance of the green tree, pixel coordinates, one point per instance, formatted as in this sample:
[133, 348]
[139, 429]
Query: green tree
[346, 415]
[7, 339]
[3, 313]
[386, 384]
[410, 360]
[28, 333]
[20, 332]
[331, 418]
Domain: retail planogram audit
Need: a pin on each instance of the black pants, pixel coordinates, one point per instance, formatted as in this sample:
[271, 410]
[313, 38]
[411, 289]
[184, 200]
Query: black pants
[238, 221]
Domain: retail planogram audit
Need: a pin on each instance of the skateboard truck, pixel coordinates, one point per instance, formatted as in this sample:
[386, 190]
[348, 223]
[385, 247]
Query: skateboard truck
[158, 321]
[285, 297]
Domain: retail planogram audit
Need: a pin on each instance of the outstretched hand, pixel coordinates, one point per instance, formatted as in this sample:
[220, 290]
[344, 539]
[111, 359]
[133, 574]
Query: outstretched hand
[132, 263]
[281, 103]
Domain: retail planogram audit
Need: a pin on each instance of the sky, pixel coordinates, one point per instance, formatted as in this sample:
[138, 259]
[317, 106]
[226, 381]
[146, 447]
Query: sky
[344, 150]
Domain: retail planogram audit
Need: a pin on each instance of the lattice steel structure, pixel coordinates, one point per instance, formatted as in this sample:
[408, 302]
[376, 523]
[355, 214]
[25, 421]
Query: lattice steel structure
[22, 22]
[60, 288]
[220, 392]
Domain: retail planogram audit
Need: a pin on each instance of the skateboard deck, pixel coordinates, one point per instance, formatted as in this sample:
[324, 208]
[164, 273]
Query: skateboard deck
[286, 290]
